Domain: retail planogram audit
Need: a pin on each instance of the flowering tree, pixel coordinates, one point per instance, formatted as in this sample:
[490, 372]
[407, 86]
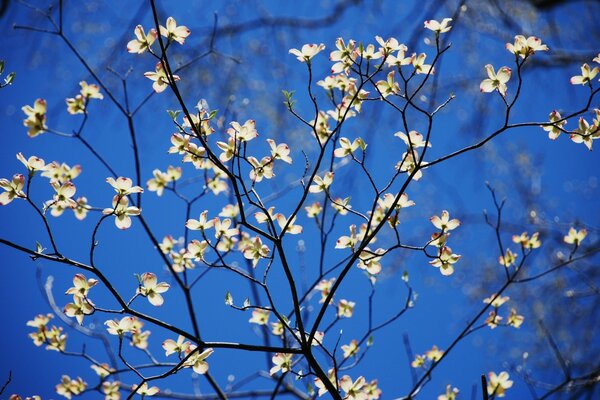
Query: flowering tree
[278, 224]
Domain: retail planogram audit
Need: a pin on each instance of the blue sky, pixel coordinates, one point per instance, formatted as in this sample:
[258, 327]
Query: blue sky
[555, 179]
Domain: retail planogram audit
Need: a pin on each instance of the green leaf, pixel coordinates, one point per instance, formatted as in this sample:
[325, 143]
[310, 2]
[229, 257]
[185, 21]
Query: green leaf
[228, 299]
[1, 66]
[173, 114]
[246, 302]
[370, 341]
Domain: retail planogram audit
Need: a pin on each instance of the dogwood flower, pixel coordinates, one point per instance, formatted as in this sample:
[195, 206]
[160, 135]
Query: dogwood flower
[438, 27]
[196, 249]
[575, 236]
[90, 91]
[555, 129]
[497, 302]
[508, 259]
[122, 326]
[369, 53]
[81, 208]
[75, 105]
[313, 210]
[33, 163]
[408, 164]
[12, 189]
[419, 361]
[495, 81]
[585, 133]
[341, 206]
[151, 289]
[102, 370]
[36, 118]
[444, 223]
[324, 286]
[445, 260]
[418, 62]
[345, 308]
[81, 286]
[292, 228]
[434, 354]
[60, 173]
[350, 349]
[524, 47]
[389, 86]
[40, 321]
[413, 140]
[162, 179]
[280, 151]
[174, 32]
[515, 320]
[388, 46]
[347, 148]
[261, 169]
[343, 57]
[142, 41]
[255, 250]
[243, 133]
[283, 363]
[498, 384]
[200, 224]
[79, 308]
[197, 360]
[321, 386]
[450, 394]
[160, 78]
[144, 390]
[307, 52]
[222, 228]
[180, 346]
[121, 210]
[400, 58]
[260, 316]
[371, 390]
[320, 184]
[111, 390]
[587, 74]
[353, 389]
[527, 242]
[123, 186]
[493, 319]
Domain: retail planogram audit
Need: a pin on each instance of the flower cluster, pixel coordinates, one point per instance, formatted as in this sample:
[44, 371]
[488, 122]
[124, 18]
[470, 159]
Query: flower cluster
[445, 259]
[494, 319]
[424, 360]
[70, 387]
[52, 337]
[36, 118]
[81, 305]
[358, 389]
[120, 203]
[78, 104]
